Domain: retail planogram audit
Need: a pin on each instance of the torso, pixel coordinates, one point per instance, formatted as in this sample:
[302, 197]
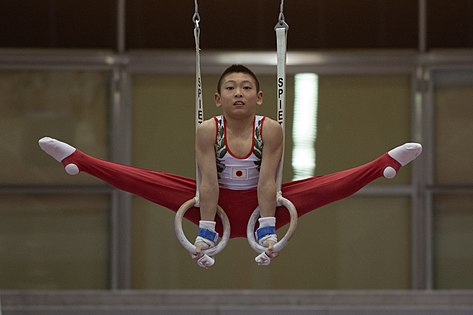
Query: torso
[238, 169]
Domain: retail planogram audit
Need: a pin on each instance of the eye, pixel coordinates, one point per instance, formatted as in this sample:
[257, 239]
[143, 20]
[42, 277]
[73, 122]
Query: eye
[247, 87]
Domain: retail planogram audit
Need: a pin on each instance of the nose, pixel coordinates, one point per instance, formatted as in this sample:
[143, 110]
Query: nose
[238, 92]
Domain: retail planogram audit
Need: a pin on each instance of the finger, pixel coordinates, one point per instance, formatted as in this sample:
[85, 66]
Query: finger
[197, 255]
[262, 259]
[271, 253]
[198, 251]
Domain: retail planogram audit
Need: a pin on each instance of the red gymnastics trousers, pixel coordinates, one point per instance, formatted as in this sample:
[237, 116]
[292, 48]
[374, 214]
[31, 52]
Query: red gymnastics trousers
[171, 191]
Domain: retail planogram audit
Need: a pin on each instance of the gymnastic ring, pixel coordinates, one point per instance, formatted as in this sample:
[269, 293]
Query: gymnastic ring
[250, 231]
[183, 239]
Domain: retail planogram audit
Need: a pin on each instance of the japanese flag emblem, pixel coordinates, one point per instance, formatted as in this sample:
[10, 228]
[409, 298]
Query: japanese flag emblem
[239, 173]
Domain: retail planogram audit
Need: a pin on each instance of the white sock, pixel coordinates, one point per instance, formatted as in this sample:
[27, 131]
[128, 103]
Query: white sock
[389, 172]
[406, 153]
[72, 169]
[55, 148]
[59, 151]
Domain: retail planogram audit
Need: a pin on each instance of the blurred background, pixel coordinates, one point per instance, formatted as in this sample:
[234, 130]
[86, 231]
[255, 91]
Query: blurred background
[116, 79]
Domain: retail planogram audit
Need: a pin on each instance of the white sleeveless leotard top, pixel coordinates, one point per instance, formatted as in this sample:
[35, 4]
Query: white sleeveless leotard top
[233, 172]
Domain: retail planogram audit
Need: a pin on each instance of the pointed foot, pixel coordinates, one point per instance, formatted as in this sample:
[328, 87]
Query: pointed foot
[59, 151]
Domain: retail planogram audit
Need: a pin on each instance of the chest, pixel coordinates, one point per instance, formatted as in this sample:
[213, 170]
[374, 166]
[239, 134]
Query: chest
[240, 143]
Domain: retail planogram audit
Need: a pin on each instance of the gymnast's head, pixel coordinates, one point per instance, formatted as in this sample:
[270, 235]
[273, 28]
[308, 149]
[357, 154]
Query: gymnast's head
[237, 68]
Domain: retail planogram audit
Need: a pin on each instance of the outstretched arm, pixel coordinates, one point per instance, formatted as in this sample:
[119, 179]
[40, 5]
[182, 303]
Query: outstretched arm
[272, 151]
[208, 191]
[267, 190]
[205, 154]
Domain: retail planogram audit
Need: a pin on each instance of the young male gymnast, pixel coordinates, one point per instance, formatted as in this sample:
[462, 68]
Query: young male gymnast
[237, 154]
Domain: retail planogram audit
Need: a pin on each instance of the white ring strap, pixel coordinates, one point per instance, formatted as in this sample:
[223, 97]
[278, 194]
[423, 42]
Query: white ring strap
[281, 29]
[199, 107]
[199, 118]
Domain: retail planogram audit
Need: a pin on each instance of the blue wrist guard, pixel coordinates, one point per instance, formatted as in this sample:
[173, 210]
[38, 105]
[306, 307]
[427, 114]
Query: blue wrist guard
[209, 235]
[267, 230]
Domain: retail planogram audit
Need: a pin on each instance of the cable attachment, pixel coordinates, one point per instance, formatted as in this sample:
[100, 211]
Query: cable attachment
[196, 16]
[281, 22]
[196, 19]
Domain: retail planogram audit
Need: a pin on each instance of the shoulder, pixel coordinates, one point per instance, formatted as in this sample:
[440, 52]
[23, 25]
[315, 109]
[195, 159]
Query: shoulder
[271, 126]
[207, 124]
[272, 130]
[206, 131]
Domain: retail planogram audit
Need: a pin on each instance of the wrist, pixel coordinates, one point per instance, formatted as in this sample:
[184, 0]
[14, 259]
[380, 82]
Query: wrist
[266, 230]
[207, 233]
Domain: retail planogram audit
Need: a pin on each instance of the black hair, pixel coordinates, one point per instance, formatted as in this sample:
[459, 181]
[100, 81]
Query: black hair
[237, 68]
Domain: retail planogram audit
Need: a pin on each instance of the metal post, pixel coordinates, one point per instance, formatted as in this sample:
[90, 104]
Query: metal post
[422, 43]
[121, 201]
[121, 31]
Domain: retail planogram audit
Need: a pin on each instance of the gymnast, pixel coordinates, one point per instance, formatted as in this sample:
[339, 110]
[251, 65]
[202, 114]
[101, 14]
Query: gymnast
[237, 154]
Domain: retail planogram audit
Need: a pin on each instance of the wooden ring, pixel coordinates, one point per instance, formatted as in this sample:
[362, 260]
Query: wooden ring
[250, 231]
[183, 239]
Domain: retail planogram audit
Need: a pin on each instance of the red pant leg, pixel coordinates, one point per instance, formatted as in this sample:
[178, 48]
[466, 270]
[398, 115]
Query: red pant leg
[306, 195]
[171, 191]
[165, 189]
[315, 192]
[238, 205]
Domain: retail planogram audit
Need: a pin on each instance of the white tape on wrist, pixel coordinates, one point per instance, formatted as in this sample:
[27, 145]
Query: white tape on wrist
[269, 237]
[209, 225]
[267, 221]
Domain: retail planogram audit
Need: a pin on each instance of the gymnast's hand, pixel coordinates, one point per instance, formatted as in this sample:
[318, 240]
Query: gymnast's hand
[203, 260]
[199, 247]
[269, 248]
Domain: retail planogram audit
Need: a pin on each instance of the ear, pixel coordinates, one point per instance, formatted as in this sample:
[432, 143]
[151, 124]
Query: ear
[217, 99]
[259, 99]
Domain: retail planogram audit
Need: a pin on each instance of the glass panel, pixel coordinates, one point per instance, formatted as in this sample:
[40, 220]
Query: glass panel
[58, 24]
[453, 92]
[344, 252]
[360, 117]
[71, 106]
[54, 242]
[357, 243]
[163, 139]
[453, 235]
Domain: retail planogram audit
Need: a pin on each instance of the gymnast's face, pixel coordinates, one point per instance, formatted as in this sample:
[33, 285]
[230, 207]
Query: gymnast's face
[238, 95]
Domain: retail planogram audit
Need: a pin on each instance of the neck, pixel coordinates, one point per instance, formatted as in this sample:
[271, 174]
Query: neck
[238, 124]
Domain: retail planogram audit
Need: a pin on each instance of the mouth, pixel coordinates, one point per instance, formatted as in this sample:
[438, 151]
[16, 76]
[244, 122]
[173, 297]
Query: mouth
[238, 103]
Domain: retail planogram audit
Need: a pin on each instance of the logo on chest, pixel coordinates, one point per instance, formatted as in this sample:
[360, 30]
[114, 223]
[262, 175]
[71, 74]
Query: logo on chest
[239, 173]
